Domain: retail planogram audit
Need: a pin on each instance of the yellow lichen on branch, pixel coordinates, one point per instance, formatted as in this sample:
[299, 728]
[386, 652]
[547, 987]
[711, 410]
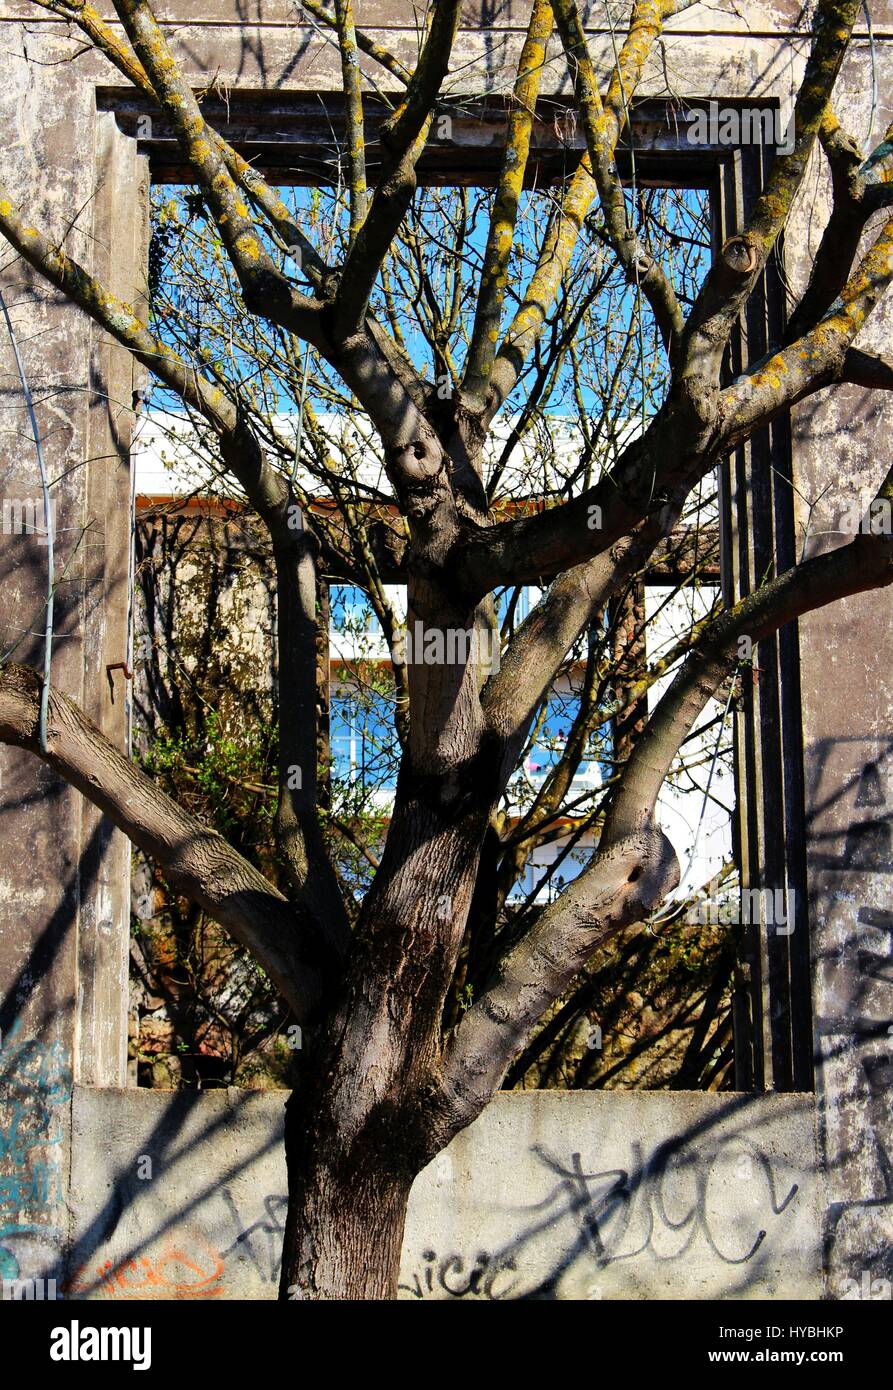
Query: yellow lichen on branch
[353, 106]
[494, 278]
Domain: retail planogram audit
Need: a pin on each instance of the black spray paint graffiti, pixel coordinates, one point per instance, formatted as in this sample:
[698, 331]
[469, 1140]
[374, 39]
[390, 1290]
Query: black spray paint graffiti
[35, 1083]
[488, 1277]
[613, 1214]
[614, 1205]
[654, 1211]
[620, 1214]
[261, 1242]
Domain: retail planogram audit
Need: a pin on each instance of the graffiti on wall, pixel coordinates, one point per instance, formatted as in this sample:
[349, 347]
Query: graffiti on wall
[661, 1208]
[35, 1084]
[666, 1204]
[186, 1266]
[189, 1264]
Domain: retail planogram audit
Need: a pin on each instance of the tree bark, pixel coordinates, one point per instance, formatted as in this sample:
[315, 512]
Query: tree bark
[362, 1125]
[346, 1211]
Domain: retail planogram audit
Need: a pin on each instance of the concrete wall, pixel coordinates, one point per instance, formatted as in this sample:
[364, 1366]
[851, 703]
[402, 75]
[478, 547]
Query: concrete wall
[64, 871]
[841, 452]
[547, 1195]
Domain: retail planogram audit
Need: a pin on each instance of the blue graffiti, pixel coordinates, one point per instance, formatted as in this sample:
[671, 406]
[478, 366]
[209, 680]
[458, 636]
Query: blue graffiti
[35, 1084]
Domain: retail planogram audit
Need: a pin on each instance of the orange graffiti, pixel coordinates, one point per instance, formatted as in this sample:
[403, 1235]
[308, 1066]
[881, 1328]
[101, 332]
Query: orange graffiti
[180, 1271]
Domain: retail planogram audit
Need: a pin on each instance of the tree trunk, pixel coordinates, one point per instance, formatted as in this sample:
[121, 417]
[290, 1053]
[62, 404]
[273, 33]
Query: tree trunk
[344, 1230]
[359, 1126]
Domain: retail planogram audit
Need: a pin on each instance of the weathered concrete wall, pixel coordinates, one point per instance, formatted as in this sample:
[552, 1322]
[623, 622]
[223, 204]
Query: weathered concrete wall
[547, 1195]
[721, 48]
[64, 901]
[841, 454]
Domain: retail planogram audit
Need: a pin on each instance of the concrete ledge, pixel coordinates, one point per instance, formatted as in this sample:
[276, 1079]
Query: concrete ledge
[547, 1195]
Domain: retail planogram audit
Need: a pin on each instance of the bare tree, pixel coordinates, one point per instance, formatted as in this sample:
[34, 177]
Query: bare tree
[383, 1088]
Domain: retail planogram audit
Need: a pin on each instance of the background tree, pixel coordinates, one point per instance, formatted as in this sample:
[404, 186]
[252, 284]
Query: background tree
[384, 1084]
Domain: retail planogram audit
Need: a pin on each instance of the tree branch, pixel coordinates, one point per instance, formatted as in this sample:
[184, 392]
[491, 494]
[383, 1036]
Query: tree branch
[820, 357]
[107, 42]
[840, 239]
[624, 883]
[538, 649]
[864, 563]
[353, 95]
[867, 369]
[602, 125]
[500, 237]
[197, 861]
[403, 138]
[268, 493]
[364, 42]
[265, 289]
[743, 258]
[241, 452]
[679, 446]
[297, 828]
[635, 865]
